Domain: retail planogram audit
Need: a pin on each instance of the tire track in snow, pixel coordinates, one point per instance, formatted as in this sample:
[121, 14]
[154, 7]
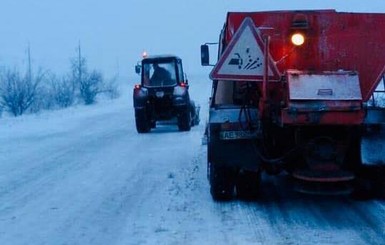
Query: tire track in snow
[49, 168]
[281, 216]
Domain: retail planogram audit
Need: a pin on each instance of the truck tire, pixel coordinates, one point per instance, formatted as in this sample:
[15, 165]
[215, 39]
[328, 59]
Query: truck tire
[143, 125]
[222, 182]
[247, 184]
[184, 120]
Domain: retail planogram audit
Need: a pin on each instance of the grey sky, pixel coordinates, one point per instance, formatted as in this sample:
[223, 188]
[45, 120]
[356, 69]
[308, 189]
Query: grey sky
[113, 33]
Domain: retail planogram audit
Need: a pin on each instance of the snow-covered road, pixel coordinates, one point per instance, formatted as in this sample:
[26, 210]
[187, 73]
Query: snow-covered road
[84, 176]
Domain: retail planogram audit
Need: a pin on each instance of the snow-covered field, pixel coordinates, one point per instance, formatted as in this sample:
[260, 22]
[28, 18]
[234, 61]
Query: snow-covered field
[84, 176]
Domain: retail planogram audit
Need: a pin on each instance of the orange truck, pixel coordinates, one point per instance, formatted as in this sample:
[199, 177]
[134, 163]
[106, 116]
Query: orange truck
[299, 92]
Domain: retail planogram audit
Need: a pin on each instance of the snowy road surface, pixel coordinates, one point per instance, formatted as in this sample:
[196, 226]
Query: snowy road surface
[84, 176]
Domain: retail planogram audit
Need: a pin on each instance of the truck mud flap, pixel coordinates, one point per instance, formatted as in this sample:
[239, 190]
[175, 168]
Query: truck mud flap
[373, 146]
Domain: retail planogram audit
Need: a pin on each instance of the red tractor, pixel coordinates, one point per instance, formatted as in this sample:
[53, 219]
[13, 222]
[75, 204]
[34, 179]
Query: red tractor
[297, 91]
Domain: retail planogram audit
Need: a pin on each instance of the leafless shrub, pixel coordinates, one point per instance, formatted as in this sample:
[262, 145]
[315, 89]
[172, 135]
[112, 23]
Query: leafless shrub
[90, 87]
[62, 91]
[32, 93]
[110, 88]
[17, 92]
[87, 84]
[90, 84]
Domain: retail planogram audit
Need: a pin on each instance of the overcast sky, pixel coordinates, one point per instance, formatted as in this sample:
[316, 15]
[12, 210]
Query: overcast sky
[113, 33]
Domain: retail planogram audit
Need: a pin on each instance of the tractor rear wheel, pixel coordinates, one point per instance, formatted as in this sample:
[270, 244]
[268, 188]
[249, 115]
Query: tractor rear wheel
[184, 120]
[143, 124]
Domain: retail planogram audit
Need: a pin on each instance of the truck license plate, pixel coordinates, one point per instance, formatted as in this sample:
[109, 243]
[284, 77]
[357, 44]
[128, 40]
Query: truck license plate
[235, 135]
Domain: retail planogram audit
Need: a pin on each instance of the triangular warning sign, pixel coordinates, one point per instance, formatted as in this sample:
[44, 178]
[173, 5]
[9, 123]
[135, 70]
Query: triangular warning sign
[243, 58]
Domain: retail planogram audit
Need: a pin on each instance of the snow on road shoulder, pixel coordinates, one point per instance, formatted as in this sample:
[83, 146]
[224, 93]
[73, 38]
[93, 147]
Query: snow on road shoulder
[54, 121]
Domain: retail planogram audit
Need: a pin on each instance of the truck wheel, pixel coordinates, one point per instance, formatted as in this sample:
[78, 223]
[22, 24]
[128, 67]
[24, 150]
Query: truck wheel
[184, 121]
[221, 182]
[143, 125]
[247, 184]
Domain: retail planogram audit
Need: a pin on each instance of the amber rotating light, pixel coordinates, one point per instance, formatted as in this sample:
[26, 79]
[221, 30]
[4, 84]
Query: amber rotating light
[297, 39]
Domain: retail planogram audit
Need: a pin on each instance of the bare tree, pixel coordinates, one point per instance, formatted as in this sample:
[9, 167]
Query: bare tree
[18, 93]
[62, 91]
[79, 68]
[110, 88]
[90, 87]
[89, 84]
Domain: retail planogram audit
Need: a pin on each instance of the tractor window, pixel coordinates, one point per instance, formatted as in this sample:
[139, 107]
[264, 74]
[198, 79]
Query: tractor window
[180, 71]
[158, 74]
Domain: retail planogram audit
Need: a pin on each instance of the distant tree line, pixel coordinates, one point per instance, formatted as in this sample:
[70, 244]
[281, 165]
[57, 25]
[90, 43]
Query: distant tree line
[32, 92]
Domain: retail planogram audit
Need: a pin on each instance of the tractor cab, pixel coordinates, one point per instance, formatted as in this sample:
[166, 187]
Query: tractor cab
[163, 94]
[161, 71]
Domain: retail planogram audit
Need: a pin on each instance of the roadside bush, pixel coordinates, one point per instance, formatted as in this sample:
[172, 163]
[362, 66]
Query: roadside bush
[111, 89]
[17, 92]
[62, 91]
[90, 86]
[32, 93]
